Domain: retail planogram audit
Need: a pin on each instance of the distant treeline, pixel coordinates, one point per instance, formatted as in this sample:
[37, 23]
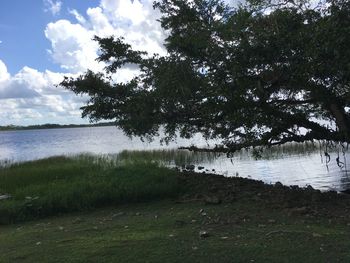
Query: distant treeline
[53, 126]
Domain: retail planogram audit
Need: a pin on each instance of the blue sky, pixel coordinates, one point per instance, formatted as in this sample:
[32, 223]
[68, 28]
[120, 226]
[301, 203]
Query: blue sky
[22, 25]
[43, 40]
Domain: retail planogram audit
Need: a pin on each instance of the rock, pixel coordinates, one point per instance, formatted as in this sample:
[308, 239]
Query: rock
[200, 167]
[38, 243]
[278, 184]
[212, 200]
[138, 214]
[203, 234]
[224, 238]
[298, 211]
[213, 189]
[316, 196]
[310, 188]
[190, 167]
[346, 191]
[118, 214]
[5, 196]
[77, 220]
[316, 235]
[198, 196]
[180, 223]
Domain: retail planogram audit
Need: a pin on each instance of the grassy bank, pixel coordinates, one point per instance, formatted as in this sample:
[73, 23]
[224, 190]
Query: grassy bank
[152, 214]
[61, 184]
[249, 228]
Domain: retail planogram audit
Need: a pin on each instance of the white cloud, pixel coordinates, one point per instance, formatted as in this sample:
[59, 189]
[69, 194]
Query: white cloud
[72, 46]
[4, 75]
[52, 6]
[30, 96]
[29, 82]
[131, 11]
[137, 22]
[15, 89]
[71, 43]
[77, 16]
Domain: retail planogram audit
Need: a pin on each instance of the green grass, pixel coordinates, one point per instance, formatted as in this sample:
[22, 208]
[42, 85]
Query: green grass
[164, 231]
[64, 184]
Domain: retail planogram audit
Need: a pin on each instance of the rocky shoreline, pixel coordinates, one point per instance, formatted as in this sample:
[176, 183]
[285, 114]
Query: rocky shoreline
[215, 189]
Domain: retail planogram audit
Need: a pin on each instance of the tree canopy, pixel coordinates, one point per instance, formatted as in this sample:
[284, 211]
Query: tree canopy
[264, 73]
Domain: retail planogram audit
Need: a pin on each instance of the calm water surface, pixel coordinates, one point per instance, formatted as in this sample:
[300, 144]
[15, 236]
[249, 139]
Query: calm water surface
[35, 144]
[299, 170]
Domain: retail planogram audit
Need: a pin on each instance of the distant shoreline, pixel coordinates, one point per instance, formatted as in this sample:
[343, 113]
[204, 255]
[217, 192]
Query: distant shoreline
[53, 126]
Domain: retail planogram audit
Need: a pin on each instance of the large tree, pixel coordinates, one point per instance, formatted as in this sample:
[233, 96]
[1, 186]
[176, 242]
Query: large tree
[264, 73]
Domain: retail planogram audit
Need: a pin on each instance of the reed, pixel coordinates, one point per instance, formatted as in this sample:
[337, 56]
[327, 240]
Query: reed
[64, 184]
[166, 157]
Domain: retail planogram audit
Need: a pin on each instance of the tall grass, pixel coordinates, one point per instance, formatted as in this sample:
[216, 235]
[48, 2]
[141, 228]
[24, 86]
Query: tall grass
[63, 184]
[167, 157]
[280, 151]
[183, 157]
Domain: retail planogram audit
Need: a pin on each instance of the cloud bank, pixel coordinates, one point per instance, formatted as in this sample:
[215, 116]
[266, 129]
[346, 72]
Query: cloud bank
[31, 96]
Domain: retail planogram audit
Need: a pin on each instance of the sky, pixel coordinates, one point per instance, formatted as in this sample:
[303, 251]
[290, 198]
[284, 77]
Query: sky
[41, 41]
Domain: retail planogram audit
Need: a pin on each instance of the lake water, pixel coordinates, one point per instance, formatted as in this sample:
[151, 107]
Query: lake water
[299, 170]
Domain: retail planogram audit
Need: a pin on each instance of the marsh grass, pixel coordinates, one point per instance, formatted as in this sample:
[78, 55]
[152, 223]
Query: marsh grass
[64, 184]
[183, 157]
[71, 183]
[167, 157]
[281, 151]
